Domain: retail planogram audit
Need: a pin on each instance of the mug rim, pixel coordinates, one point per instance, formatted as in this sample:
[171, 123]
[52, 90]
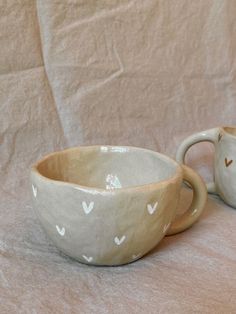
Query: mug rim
[172, 179]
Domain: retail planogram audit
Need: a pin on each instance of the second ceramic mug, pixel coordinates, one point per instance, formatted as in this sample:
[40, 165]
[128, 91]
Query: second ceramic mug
[224, 140]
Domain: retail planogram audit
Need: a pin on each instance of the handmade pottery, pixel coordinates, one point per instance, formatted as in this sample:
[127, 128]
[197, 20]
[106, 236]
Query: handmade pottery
[224, 140]
[110, 205]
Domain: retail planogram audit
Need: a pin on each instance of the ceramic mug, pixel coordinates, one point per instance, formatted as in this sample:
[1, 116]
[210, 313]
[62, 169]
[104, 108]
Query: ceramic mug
[110, 205]
[224, 140]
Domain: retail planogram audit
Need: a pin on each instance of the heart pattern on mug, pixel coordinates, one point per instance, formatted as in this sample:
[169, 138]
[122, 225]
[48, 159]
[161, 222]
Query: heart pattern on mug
[228, 162]
[87, 208]
[118, 241]
[88, 258]
[35, 190]
[151, 208]
[61, 231]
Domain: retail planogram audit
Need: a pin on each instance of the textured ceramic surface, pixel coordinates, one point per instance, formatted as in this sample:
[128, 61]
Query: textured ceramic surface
[224, 140]
[108, 205]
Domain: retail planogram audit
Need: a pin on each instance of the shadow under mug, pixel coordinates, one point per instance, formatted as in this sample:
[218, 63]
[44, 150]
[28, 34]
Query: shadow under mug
[224, 140]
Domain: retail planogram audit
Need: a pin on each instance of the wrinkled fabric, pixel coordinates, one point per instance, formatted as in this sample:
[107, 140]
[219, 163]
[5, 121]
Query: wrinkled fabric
[142, 73]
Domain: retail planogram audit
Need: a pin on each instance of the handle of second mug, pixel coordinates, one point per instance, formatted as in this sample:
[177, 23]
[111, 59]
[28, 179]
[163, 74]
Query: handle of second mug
[205, 136]
[186, 220]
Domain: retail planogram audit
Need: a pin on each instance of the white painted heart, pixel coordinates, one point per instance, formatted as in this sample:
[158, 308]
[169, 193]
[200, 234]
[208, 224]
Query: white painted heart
[61, 231]
[87, 208]
[166, 227]
[134, 256]
[118, 241]
[34, 188]
[151, 208]
[88, 258]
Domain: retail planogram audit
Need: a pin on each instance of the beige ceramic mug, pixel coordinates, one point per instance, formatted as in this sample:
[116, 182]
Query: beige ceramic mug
[224, 140]
[110, 205]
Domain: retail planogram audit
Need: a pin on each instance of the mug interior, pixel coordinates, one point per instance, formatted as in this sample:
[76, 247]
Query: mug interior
[230, 130]
[107, 167]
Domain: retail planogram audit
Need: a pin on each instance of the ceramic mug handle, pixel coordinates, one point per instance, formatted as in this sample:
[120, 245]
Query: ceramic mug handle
[186, 220]
[205, 136]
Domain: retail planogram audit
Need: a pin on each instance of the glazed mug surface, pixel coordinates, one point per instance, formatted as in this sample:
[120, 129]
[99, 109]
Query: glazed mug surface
[224, 140]
[110, 205]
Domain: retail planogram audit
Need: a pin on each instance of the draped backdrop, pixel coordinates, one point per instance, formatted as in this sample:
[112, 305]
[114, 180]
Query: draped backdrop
[123, 72]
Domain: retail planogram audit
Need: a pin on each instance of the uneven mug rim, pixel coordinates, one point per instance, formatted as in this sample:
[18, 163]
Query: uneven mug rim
[113, 148]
